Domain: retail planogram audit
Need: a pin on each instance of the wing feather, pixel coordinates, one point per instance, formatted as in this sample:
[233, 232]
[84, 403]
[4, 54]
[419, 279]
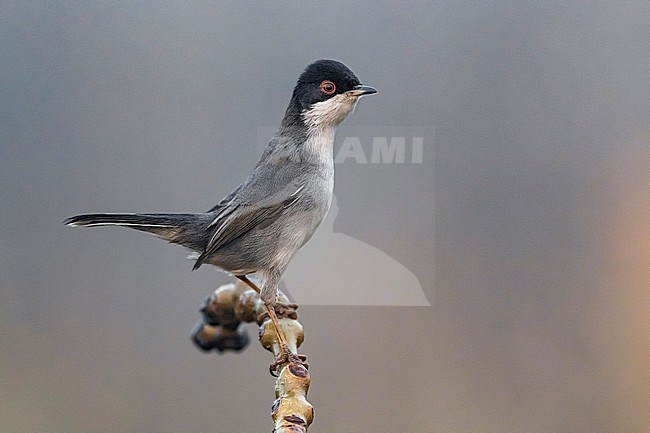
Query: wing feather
[236, 219]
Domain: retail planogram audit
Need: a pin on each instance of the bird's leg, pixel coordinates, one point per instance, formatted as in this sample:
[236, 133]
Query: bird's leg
[270, 302]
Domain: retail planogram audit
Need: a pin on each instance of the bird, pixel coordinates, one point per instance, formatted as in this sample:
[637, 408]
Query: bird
[261, 224]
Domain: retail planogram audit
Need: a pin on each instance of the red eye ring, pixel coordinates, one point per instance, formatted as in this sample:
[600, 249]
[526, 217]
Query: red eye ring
[327, 87]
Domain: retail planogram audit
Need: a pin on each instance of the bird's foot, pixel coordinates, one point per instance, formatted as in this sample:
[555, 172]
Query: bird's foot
[286, 310]
[286, 357]
[281, 311]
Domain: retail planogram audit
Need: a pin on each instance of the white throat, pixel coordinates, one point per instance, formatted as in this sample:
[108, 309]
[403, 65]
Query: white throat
[327, 115]
[321, 121]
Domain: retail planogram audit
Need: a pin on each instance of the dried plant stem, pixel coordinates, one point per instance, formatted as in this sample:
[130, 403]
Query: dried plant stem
[223, 313]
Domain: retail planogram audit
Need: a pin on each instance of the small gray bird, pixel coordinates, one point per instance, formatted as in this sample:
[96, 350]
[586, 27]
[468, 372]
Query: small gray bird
[259, 226]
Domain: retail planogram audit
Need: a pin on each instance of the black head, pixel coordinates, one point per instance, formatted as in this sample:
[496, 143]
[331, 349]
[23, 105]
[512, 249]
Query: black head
[323, 80]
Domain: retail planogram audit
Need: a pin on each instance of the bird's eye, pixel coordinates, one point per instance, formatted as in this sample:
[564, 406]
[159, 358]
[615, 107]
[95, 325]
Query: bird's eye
[327, 87]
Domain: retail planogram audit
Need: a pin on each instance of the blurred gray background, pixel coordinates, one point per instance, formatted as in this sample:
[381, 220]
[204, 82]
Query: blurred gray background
[527, 224]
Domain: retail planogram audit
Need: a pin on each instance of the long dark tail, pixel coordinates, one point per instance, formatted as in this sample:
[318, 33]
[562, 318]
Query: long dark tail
[182, 228]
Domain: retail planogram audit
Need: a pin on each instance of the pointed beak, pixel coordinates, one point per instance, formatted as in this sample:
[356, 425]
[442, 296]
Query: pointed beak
[361, 90]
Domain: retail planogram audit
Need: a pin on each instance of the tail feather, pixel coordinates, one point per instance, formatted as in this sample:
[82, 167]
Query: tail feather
[121, 219]
[183, 229]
